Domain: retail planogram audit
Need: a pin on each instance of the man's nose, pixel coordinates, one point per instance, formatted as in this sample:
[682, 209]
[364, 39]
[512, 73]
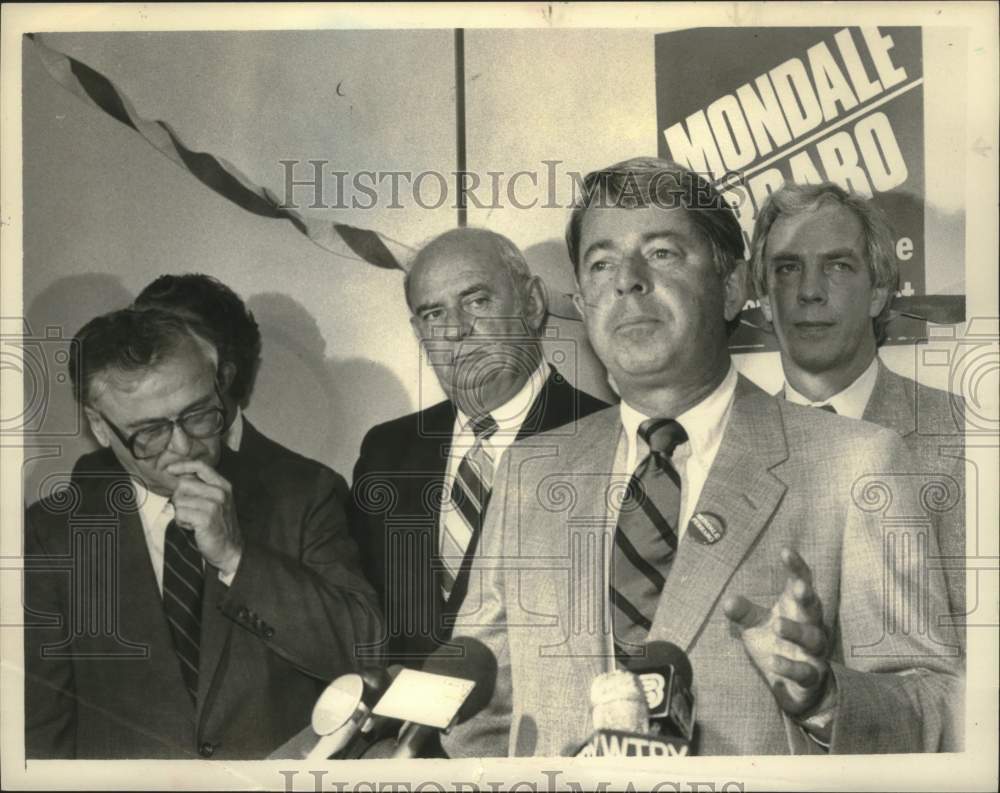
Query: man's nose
[812, 285]
[458, 325]
[632, 276]
[180, 442]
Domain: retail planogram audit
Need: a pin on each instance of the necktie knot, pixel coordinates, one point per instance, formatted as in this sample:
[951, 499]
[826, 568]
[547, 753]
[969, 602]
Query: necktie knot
[483, 427]
[662, 436]
[828, 408]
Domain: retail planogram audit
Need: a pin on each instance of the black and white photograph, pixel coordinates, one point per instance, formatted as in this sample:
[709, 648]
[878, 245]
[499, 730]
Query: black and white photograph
[501, 396]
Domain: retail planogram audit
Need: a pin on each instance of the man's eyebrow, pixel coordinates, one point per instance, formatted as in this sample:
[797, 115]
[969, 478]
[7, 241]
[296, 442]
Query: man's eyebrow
[607, 244]
[140, 423]
[655, 235]
[480, 287]
[785, 256]
[839, 253]
[426, 307]
[597, 245]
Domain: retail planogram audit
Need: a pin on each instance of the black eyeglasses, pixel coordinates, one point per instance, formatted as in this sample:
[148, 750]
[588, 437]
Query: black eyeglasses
[153, 440]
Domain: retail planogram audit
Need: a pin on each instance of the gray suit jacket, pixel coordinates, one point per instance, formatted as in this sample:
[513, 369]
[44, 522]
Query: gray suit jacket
[827, 486]
[932, 422]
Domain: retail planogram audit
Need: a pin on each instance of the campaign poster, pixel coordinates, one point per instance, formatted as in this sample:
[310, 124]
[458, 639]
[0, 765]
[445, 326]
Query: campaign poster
[754, 107]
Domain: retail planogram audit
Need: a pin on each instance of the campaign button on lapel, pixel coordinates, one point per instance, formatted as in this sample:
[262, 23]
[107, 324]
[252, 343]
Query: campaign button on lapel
[707, 527]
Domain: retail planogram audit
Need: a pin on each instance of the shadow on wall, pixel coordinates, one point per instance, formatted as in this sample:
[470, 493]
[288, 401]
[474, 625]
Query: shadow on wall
[55, 432]
[317, 405]
[566, 343]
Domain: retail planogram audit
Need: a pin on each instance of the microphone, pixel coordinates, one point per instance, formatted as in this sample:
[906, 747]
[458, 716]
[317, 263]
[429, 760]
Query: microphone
[665, 674]
[617, 702]
[657, 722]
[341, 712]
[456, 682]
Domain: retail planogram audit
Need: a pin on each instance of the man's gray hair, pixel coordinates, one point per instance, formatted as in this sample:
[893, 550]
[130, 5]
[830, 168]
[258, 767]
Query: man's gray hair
[508, 253]
[131, 340]
[880, 250]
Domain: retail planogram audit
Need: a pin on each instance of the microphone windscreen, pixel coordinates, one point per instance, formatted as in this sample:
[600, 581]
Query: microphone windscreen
[618, 703]
[661, 654]
[469, 659]
[337, 703]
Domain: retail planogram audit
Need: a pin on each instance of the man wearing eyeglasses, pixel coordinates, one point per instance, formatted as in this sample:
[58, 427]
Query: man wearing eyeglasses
[178, 605]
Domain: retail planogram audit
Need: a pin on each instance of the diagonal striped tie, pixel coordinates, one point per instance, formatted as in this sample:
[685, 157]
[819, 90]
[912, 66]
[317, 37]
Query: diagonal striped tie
[646, 537]
[183, 580]
[470, 495]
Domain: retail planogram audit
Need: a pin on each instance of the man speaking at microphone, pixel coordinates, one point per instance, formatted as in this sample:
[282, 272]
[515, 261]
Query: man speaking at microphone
[749, 532]
[178, 603]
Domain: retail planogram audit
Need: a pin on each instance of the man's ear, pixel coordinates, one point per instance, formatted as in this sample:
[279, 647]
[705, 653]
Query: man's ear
[537, 303]
[227, 373]
[579, 303]
[736, 289]
[97, 426]
[880, 296]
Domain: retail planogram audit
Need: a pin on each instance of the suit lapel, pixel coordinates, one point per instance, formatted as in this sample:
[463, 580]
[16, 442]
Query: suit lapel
[427, 458]
[142, 622]
[891, 403]
[594, 456]
[145, 616]
[743, 493]
[547, 409]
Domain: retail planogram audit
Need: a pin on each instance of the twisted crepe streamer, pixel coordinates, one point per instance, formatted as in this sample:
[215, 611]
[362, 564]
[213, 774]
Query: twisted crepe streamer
[214, 172]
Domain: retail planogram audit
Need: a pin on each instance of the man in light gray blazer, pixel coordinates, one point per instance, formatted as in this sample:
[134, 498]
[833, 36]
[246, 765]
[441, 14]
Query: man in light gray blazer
[770, 542]
[824, 265]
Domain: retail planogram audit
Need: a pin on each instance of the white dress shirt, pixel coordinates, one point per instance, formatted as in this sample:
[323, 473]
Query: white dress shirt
[704, 423]
[156, 512]
[509, 417]
[850, 402]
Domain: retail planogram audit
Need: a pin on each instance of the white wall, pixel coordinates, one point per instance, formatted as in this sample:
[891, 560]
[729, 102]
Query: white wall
[104, 213]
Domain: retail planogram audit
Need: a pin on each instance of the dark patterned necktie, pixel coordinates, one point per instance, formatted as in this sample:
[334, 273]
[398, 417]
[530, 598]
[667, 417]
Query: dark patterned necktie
[646, 536]
[183, 582]
[470, 496]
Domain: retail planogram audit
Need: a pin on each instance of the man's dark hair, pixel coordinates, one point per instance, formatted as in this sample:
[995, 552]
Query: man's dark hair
[230, 325]
[129, 340]
[648, 181]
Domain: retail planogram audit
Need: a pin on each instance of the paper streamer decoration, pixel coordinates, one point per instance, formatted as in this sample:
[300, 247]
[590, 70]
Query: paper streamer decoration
[216, 173]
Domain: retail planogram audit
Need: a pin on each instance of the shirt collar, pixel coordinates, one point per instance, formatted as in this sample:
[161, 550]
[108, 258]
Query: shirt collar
[704, 423]
[851, 401]
[513, 413]
[234, 435]
[151, 505]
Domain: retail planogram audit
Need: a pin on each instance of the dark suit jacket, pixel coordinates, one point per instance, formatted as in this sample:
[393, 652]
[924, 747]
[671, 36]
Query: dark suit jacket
[932, 422]
[102, 678]
[398, 487]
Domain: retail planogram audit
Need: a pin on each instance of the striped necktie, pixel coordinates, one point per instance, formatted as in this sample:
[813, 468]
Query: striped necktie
[470, 495]
[646, 536]
[183, 582]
